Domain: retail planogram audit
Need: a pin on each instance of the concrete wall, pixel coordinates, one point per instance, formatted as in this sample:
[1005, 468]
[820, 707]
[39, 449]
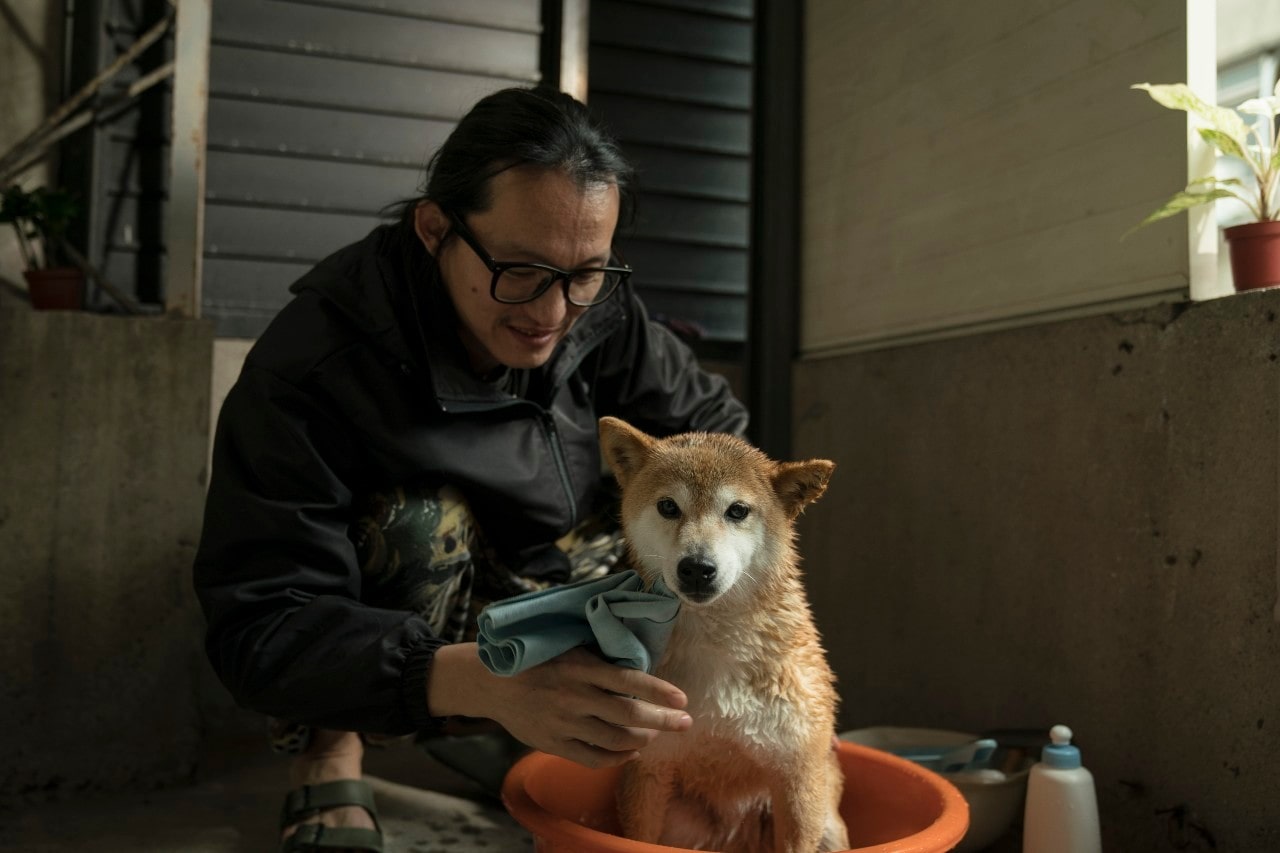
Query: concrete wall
[1074, 522]
[104, 437]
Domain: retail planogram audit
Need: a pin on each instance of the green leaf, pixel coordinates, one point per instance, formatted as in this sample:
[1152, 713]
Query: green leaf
[1183, 201]
[45, 212]
[16, 204]
[1222, 142]
[1177, 96]
[1214, 179]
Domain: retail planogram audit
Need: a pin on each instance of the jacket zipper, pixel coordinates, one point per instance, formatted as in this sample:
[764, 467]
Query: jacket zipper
[546, 420]
[557, 453]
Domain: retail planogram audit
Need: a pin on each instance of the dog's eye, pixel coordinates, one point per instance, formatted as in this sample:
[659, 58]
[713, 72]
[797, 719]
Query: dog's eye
[737, 511]
[668, 508]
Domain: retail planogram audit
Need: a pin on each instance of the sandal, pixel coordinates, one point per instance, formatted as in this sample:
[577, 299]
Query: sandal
[313, 799]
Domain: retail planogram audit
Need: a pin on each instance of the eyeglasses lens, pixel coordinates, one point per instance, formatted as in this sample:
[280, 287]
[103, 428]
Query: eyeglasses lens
[524, 284]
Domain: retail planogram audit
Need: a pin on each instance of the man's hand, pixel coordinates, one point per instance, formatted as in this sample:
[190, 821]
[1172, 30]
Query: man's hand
[576, 705]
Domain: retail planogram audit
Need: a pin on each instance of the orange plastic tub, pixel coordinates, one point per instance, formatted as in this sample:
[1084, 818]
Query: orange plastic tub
[890, 805]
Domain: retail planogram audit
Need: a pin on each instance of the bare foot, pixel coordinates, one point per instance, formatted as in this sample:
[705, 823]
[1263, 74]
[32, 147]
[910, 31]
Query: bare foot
[330, 756]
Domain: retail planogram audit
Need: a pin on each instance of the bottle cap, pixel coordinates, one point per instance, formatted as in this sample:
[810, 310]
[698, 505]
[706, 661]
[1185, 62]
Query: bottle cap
[1060, 754]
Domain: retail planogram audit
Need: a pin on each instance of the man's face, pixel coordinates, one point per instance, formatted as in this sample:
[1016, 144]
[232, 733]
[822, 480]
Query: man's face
[537, 215]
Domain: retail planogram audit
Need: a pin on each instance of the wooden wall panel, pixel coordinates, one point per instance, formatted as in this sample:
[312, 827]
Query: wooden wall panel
[975, 163]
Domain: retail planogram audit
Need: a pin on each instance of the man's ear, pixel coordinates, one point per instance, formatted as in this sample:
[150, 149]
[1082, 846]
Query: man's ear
[624, 448]
[799, 484]
[431, 224]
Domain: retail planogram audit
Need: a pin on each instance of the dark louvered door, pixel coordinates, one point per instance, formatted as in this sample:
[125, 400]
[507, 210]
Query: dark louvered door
[673, 79]
[321, 113]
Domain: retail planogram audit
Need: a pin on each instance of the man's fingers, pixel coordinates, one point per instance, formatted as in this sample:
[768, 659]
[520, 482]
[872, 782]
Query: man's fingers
[613, 738]
[635, 713]
[587, 710]
[631, 697]
[634, 682]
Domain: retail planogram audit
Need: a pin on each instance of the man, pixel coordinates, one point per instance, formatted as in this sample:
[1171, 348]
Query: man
[414, 436]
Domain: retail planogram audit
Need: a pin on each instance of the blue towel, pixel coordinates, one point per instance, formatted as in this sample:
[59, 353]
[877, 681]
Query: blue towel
[630, 625]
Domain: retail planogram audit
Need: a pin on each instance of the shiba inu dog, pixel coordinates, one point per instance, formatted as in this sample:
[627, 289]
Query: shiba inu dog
[713, 517]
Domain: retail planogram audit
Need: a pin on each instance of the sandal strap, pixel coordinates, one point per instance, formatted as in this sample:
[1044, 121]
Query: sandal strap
[310, 799]
[313, 836]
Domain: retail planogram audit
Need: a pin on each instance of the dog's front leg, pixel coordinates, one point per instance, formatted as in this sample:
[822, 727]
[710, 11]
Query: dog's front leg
[801, 800]
[644, 793]
[835, 835]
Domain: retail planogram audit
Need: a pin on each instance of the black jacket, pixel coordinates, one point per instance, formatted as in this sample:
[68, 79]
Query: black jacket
[361, 383]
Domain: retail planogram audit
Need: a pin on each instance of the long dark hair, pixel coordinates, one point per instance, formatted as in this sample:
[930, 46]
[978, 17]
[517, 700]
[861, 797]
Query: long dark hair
[521, 127]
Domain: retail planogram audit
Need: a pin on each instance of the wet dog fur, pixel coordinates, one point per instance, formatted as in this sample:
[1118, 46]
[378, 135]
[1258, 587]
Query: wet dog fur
[714, 518]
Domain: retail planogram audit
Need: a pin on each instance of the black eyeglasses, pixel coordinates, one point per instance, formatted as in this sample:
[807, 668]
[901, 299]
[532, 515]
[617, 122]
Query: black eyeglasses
[525, 281]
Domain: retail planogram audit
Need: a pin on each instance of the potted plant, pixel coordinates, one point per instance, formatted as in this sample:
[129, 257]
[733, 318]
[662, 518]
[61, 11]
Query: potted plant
[41, 217]
[1255, 245]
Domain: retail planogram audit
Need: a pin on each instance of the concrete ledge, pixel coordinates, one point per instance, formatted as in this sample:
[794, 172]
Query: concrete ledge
[104, 427]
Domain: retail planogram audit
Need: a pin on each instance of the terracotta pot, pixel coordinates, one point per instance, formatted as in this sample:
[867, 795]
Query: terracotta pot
[57, 289]
[1255, 254]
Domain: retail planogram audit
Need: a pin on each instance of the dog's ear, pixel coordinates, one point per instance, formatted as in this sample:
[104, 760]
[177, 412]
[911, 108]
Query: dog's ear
[799, 484]
[624, 447]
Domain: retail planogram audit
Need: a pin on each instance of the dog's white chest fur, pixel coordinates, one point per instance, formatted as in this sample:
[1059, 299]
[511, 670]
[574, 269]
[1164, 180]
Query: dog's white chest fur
[724, 702]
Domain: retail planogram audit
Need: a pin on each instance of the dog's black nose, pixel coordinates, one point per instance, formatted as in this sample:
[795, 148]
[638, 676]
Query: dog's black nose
[693, 569]
[696, 577]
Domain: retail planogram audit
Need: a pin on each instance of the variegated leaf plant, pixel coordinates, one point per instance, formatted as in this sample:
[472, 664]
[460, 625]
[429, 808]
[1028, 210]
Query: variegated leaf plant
[1226, 131]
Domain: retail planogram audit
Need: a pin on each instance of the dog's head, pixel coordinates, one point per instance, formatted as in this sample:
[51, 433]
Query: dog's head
[707, 512]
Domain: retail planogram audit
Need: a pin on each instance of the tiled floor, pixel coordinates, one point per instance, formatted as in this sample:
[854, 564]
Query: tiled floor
[234, 808]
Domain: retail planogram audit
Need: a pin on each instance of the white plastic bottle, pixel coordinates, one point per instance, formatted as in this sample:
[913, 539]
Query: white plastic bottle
[1062, 805]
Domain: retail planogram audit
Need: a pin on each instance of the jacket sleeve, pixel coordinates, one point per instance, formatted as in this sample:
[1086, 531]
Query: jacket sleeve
[278, 579]
[651, 378]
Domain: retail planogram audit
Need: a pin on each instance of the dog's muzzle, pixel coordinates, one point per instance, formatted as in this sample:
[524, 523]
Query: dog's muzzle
[697, 579]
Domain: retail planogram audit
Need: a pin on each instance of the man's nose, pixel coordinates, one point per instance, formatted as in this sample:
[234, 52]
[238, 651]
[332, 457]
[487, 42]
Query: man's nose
[549, 309]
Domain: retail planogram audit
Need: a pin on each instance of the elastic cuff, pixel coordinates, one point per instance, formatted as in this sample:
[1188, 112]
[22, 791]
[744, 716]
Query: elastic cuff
[413, 685]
